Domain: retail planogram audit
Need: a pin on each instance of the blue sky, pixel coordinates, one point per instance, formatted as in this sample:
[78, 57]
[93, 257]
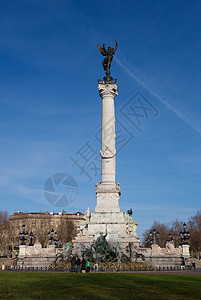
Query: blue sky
[50, 107]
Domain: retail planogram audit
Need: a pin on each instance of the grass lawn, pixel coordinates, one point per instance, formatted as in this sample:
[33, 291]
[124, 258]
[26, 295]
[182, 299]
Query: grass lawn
[14, 285]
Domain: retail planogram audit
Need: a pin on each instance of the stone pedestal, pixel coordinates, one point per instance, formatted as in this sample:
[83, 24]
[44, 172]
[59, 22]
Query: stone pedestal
[36, 261]
[185, 251]
[22, 250]
[155, 249]
[51, 249]
[119, 228]
[36, 256]
[186, 254]
[107, 198]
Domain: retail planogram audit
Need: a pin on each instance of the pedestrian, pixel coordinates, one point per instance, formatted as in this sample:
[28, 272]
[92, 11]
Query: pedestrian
[193, 266]
[78, 262]
[83, 265]
[95, 267]
[88, 266]
[183, 265]
[73, 262]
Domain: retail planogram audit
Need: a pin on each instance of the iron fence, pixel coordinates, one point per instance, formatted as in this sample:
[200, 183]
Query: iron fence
[100, 269]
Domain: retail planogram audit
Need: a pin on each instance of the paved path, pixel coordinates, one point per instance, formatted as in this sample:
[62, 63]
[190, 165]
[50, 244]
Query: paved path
[197, 272]
[185, 272]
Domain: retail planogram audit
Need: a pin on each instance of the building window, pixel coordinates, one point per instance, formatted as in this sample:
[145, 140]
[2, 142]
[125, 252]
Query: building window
[34, 222]
[51, 223]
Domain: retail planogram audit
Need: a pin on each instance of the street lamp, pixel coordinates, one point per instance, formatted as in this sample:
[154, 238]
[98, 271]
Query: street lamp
[23, 235]
[170, 239]
[52, 237]
[184, 236]
[31, 239]
[154, 235]
[148, 242]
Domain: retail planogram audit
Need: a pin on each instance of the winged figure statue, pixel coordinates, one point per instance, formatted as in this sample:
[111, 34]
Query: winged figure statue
[109, 52]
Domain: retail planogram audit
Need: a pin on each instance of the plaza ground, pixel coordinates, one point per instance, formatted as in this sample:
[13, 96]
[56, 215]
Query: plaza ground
[25, 285]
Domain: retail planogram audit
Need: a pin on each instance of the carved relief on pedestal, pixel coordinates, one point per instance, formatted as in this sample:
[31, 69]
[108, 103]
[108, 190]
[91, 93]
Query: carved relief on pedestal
[170, 249]
[37, 250]
[29, 251]
[102, 189]
[108, 196]
[34, 250]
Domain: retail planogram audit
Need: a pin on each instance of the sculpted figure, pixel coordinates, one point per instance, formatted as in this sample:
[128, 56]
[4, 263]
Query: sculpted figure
[37, 248]
[88, 213]
[109, 52]
[66, 252]
[130, 212]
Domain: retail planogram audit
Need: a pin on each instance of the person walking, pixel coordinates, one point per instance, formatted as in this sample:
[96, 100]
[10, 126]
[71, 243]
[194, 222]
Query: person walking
[95, 267]
[88, 266]
[83, 265]
[78, 262]
[73, 262]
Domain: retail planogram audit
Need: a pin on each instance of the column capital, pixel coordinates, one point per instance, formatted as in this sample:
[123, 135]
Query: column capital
[108, 89]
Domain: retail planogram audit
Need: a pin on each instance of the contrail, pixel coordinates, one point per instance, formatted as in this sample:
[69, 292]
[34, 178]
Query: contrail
[188, 120]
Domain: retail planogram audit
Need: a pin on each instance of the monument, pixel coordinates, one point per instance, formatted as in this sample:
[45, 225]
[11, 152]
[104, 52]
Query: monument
[108, 218]
[107, 232]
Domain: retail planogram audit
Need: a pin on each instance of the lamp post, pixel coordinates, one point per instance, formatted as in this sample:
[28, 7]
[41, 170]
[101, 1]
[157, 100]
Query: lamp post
[154, 235]
[31, 239]
[52, 237]
[184, 236]
[148, 243]
[23, 235]
[170, 239]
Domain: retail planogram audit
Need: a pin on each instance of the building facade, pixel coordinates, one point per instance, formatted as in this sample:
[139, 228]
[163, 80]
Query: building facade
[40, 224]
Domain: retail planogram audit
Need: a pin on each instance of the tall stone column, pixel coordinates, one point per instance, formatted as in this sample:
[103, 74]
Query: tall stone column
[108, 191]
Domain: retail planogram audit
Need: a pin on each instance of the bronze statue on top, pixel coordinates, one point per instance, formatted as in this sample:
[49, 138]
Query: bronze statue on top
[109, 52]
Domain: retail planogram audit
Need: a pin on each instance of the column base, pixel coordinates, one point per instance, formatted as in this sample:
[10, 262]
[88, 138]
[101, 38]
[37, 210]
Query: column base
[107, 197]
[107, 202]
[118, 225]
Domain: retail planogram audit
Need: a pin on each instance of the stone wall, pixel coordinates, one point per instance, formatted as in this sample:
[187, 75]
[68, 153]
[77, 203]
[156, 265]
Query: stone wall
[168, 256]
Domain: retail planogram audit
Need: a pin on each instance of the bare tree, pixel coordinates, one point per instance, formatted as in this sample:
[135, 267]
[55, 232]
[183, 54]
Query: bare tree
[176, 228]
[4, 220]
[42, 234]
[4, 233]
[163, 230]
[194, 225]
[66, 231]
